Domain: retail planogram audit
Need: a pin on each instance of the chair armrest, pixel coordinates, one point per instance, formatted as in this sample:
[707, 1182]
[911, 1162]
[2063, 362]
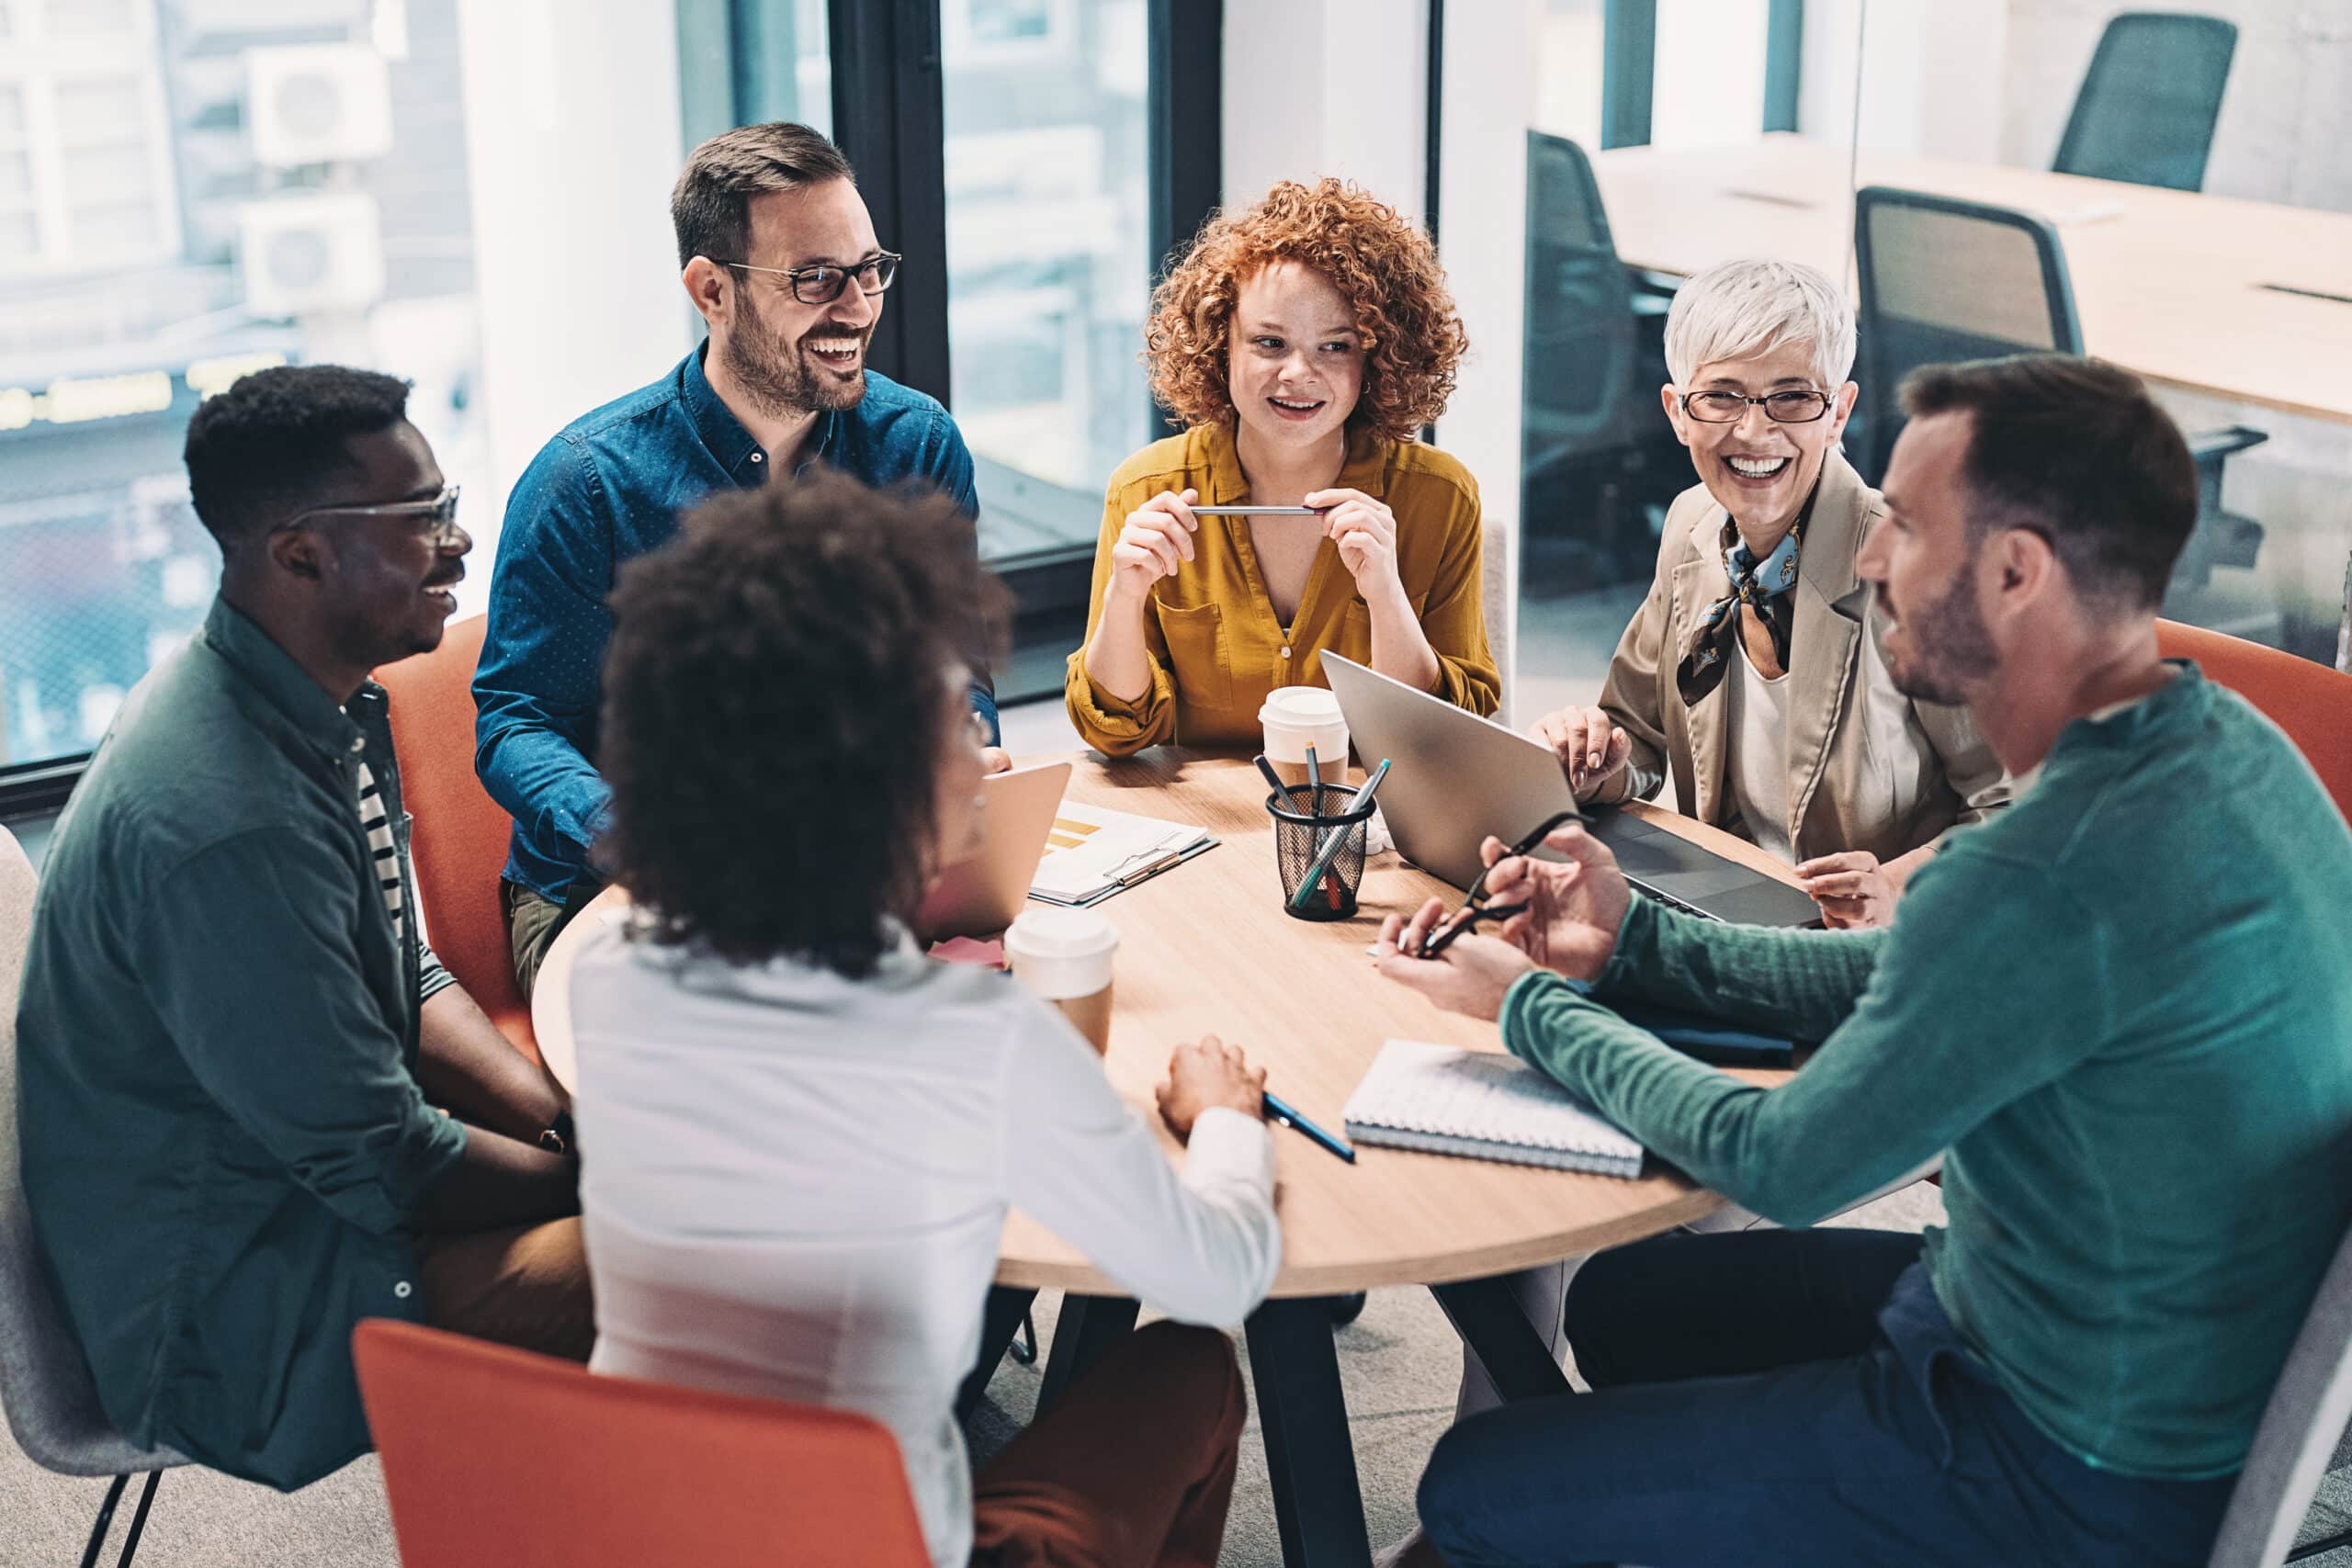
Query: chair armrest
[2212, 446]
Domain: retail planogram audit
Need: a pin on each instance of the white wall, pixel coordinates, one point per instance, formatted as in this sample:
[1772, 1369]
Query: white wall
[1316, 88]
[2286, 120]
[1328, 87]
[572, 141]
[1488, 100]
[1930, 76]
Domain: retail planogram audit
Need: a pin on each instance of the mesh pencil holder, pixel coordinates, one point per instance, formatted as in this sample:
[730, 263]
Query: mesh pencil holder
[1303, 836]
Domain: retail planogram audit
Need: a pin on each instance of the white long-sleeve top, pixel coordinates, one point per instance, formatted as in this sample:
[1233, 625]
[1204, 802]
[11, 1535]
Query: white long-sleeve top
[794, 1183]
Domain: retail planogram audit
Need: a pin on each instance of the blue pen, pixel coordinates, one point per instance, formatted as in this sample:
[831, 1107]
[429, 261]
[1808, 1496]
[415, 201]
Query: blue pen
[1281, 1111]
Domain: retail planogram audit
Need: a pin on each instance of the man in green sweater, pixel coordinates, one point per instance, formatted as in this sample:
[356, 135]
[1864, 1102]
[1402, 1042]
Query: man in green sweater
[2122, 1011]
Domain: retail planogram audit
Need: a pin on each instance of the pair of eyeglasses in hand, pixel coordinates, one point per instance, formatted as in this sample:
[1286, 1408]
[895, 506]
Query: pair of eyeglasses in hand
[1474, 907]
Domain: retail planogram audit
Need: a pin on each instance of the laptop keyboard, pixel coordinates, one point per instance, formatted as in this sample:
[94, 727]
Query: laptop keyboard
[1669, 900]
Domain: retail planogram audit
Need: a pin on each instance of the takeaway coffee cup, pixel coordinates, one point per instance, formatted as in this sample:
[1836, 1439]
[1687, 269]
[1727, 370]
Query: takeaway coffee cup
[1065, 955]
[1296, 717]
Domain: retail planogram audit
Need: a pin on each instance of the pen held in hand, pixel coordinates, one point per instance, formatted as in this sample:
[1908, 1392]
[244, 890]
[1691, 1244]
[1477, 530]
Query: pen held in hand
[1255, 511]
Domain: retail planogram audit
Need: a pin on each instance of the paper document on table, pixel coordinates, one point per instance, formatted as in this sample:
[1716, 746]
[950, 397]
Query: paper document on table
[1091, 852]
[1484, 1105]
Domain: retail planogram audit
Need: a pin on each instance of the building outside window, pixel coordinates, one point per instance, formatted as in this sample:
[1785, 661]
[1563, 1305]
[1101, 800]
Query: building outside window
[190, 189]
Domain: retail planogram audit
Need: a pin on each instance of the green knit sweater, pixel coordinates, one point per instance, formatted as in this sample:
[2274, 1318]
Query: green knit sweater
[2122, 1010]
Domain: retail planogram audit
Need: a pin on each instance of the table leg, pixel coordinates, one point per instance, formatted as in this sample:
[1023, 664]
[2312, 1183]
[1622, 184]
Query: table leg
[1487, 1316]
[1087, 1326]
[1007, 1306]
[1310, 1460]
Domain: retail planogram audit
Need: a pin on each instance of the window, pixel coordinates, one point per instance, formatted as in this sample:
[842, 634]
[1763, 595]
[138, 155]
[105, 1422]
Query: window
[1048, 271]
[188, 192]
[749, 62]
[85, 173]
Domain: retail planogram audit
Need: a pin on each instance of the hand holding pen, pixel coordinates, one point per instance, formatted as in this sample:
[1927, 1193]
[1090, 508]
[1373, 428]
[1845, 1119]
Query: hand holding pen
[1155, 542]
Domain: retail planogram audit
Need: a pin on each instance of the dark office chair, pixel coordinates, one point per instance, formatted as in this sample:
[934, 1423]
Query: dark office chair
[1946, 280]
[2147, 104]
[1596, 450]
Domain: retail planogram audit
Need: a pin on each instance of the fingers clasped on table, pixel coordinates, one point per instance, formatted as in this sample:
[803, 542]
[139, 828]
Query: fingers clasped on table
[1205, 1073]
[1852, 888]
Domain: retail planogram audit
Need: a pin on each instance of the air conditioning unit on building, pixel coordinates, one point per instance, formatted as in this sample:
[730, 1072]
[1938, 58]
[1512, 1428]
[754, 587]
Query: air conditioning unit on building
[309, 253]
[318, 104]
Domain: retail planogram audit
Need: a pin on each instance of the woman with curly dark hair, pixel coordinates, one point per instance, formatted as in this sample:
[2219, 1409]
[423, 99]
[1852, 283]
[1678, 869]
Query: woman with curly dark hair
[1304, 343]
[809, 1133]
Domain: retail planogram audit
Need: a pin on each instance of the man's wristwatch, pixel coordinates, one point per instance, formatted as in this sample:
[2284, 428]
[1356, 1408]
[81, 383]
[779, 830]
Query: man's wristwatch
[557, 1138]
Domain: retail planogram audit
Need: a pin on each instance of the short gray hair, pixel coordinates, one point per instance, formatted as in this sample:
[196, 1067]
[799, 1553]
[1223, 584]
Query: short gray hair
[1746, 308]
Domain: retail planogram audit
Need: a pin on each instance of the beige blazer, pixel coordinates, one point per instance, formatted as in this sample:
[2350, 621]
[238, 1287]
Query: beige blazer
[1870, 768]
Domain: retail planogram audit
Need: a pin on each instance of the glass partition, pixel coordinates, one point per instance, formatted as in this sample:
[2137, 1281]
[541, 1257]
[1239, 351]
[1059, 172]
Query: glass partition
[2205, 228]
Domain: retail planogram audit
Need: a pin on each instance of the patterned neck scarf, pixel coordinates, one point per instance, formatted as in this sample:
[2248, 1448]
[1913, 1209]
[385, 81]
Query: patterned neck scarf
[1765, 587]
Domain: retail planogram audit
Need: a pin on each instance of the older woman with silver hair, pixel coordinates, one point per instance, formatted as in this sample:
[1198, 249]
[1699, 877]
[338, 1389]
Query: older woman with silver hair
[1752, 670]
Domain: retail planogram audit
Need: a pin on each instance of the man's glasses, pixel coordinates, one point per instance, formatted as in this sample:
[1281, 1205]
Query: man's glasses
[1790, 407]
[1474, 906]
[823, 283]
[436, 519]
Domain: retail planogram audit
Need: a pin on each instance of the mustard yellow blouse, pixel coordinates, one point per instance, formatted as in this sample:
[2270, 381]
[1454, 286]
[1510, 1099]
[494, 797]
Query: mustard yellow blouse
[1216, 647]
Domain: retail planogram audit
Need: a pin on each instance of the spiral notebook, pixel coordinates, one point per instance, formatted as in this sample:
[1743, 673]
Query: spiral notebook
[1482, 1105]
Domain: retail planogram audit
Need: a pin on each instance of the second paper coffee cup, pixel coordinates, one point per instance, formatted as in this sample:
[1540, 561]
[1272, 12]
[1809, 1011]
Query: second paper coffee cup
[1296, 717]
[1066, 956]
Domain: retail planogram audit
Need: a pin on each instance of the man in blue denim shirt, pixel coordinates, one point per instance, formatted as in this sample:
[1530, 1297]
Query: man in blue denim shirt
[780, 257]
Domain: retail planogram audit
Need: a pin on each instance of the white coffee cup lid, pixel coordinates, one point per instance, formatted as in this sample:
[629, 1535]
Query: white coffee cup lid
[1041, 933]
[1300, 706]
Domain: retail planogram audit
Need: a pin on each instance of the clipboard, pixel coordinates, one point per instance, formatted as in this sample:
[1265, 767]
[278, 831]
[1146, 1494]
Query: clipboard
[1170, 862]
[1093, 853]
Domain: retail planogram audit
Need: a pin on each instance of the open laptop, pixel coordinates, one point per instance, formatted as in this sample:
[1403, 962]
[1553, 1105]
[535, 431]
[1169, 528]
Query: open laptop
[979, 895]
[1456, 778]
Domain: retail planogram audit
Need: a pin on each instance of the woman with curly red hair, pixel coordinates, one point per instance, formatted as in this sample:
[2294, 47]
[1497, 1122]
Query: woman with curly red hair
[1303, 343]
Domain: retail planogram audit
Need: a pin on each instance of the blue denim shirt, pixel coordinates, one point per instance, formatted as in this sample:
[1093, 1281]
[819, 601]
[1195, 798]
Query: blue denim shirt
[609, 487]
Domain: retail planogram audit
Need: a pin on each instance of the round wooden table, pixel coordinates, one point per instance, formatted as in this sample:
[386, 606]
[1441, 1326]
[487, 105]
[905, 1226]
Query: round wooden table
[1205, 948]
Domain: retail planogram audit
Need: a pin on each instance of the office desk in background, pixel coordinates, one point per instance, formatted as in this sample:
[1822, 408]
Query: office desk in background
[2189, 291]
[1207, 949]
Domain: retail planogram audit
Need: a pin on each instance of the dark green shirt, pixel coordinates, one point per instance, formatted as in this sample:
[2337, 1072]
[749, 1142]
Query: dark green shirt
[223, 1138]
[2124, 1006]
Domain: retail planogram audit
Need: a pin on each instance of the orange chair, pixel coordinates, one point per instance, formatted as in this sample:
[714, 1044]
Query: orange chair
[460, 835]
[2312, 703]
[493, 1455]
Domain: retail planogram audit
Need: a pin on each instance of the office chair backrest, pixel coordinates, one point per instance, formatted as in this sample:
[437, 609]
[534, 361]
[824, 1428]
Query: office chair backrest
[1580, 333]
[1945, 280]
[1495, 596]
[460, 839]
[2147, 104]
[496, 1455]
[2312, 703]
[2308, 1407]
[52, 1406]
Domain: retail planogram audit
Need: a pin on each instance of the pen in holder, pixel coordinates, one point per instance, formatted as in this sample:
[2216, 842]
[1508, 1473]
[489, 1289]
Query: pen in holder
[1316, 824]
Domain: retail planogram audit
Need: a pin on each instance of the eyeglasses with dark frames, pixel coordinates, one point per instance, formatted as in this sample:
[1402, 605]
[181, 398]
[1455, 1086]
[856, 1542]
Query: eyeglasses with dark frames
[1790, 407]
[824, 283]
[437, 517]
[1474, 907]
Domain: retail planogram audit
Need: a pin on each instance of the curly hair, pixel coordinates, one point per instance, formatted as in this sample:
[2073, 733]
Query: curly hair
[1382, 263]
[772, 716]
